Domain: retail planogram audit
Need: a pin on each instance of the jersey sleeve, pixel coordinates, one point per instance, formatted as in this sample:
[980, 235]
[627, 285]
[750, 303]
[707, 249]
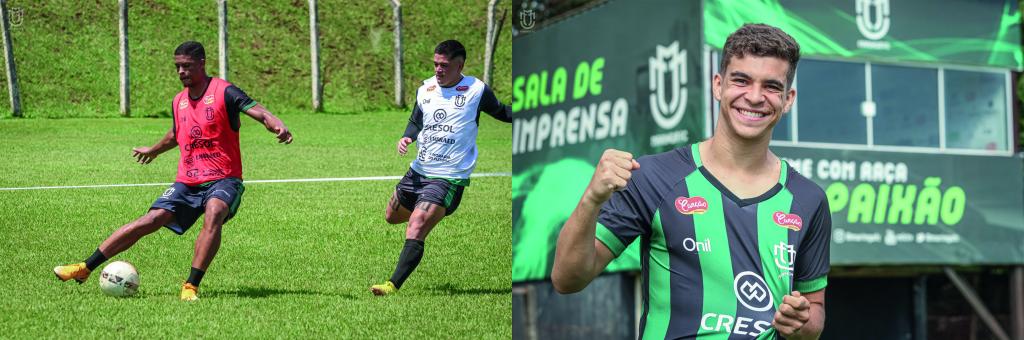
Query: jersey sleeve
[415, 122]
[236, 102]
[812, 260]
[628, 213]
[489, 103]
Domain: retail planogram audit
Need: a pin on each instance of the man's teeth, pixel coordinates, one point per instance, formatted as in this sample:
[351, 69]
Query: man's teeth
[751, 114]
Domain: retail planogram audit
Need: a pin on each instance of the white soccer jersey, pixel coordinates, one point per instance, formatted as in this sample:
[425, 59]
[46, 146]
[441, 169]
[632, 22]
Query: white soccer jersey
[448, 118]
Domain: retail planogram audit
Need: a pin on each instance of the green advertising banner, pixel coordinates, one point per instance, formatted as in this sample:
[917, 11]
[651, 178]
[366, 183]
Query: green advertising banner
[623, 75]
[978, 32]
[905, 208]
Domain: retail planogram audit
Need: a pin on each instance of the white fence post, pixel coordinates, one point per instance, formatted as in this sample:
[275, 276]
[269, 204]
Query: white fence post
[398, 52]
[222, 19]
[314, 56]
[12, 73]
[125, 81]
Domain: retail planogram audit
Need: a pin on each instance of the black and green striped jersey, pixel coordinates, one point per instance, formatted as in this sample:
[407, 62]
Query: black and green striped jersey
[715, 266]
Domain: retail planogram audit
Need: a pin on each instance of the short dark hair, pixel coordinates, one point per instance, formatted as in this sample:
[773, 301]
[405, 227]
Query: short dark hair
[191, 48]
[451, 49]
[761, 40]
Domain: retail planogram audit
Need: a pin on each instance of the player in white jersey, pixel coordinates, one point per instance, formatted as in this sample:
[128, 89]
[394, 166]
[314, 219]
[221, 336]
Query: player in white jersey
[444, 122]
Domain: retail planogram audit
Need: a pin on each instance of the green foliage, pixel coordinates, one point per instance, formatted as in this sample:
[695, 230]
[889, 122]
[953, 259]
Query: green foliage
[68, 60]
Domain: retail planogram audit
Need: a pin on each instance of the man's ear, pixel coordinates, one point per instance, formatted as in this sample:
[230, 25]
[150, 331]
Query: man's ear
[716, 86]
[790, 99]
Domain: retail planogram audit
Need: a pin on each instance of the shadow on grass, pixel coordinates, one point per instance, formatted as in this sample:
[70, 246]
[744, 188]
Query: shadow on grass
[264, 292]
[450, 289]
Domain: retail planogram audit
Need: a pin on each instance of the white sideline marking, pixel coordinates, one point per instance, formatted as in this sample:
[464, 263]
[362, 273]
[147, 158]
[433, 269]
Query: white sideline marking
[340, 179]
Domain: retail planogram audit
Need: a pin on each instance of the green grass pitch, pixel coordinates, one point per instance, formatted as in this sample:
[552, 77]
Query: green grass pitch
[297, 260]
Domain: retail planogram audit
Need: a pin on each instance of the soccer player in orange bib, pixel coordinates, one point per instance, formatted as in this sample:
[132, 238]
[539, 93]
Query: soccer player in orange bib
[209, 182]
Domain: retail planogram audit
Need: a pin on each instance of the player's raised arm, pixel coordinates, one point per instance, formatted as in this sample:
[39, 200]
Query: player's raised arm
[579, 256]
[145, 155]
[271, 122]
[489, 103]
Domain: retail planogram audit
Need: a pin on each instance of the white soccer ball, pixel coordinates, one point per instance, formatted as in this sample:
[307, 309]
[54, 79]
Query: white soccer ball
[119, 279]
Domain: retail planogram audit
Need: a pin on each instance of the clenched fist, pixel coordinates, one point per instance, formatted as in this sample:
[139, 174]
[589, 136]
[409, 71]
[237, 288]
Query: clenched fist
[793, 314]
[612, 173]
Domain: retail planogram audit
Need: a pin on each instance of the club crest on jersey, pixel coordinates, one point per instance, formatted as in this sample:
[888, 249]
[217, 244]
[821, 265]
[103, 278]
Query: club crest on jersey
[789, 221]
[691, 205]
[432, 87]
[208, 99]
[182, 104]
[209, 113]
[460, 100]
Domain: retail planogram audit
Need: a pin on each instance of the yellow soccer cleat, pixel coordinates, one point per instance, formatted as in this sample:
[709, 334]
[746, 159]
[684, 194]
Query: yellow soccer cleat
[78, 271]
[189, 292]
[386, 288]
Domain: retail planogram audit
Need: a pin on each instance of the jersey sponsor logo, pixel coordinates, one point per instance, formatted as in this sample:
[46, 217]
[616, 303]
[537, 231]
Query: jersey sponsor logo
[426, 101]
[460, 100]
[439, 127]
[197, 144]
[204, 173]
[182, 104]
[461, 88]
[784, 254]
[752, 291]
[789, 221]
[209, 113]
[440, 140]
[208, 99]
[208, 156]
[167, 193]
[189, 161]
[691, 205]
[195, 132]
[440, 115]
[692, 245]
[425, 156]
[730, 324]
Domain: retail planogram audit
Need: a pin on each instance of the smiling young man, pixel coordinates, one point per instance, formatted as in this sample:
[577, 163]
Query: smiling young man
[204, 127]
[444, 122]
[734, 243]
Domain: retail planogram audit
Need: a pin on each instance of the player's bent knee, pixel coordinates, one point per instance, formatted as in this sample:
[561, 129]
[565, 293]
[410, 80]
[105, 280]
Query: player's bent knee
[391, 218]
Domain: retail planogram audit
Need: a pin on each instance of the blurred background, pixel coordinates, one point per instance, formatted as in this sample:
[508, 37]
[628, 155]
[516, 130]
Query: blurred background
[907, 115]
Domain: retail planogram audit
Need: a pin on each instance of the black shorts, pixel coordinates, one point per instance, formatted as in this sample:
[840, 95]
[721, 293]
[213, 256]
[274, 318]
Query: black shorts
[187, 203]
[415, 188]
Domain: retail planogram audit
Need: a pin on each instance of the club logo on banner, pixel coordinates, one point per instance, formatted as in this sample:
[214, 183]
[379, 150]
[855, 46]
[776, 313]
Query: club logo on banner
[527, 18]
[669, 61]
[873, 23]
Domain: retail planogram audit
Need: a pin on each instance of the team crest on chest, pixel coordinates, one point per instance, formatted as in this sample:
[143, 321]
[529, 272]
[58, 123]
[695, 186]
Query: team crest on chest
[208, 99]
[432, 87]
[182, 104]
[691, 205]
[789, 221]
[460, 100]
[209, 113]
